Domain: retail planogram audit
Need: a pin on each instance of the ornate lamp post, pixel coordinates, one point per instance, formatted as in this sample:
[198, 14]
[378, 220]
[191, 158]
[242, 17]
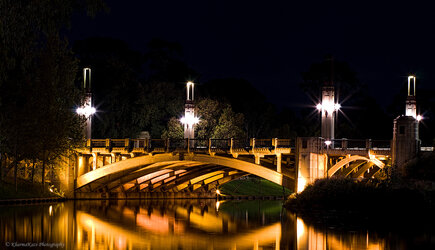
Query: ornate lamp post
[189, 119]
[87, 110]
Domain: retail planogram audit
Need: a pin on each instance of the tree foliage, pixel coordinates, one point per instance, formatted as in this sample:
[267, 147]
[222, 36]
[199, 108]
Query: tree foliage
[37, 74]
[230, 125]
[174, 130]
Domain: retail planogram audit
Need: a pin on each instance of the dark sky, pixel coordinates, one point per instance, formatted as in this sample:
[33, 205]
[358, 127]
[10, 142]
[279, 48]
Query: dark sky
[270, 43]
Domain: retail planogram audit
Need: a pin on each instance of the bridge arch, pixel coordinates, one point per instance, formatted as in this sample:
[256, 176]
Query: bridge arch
[121, 172]
[370, 162]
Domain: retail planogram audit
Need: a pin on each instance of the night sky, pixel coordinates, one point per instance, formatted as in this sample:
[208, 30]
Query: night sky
[270, 43]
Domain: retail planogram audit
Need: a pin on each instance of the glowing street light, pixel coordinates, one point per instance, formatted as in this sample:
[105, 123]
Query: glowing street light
[328, 107]
[86, 111]
[328, 142]
[189, 119]
[419, 118]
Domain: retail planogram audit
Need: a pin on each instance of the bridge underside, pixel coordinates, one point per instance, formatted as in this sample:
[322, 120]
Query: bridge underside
[171, 174]
[356, 166]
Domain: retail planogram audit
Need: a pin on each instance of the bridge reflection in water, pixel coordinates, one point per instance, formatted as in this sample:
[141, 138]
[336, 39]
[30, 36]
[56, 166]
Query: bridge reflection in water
[176, 224]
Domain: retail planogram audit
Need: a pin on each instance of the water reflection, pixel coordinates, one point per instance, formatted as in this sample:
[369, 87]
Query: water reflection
[173, 224]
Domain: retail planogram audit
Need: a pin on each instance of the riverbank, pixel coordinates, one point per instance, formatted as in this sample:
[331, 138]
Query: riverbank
[24, 190]
[338, 199]
[254, 187]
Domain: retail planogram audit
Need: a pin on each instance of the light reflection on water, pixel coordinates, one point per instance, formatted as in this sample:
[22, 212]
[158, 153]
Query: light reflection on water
[173, 224]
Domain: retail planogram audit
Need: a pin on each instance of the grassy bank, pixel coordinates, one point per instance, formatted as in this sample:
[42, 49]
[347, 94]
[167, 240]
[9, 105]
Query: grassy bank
[347, 198]
[253, 186]
[25, 189]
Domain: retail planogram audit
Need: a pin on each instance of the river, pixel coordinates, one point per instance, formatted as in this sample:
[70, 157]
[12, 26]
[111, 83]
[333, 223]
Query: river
[184, 224]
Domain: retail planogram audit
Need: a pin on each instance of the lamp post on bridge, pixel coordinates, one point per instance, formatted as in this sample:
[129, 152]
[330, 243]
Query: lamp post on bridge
[328, 108]
[189, 119]
[87, 110]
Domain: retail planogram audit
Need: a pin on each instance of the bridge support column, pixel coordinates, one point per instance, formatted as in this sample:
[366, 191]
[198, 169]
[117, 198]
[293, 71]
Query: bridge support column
[278, 162]
[67, 180]
[83, 165]
[112, 158]
[94, 160]
[101, 160]
[257, 158]
[311, 163]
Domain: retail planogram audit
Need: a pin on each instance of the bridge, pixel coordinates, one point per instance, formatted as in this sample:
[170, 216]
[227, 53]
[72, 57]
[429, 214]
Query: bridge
[136, 168]
[191, 167]
[157, 168]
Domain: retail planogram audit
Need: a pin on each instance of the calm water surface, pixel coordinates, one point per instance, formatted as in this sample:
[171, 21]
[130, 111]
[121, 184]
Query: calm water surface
[184, 224]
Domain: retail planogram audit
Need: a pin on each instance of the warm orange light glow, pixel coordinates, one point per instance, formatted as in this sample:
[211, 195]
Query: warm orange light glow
[300, 228]
[218, 204]
[301, 184]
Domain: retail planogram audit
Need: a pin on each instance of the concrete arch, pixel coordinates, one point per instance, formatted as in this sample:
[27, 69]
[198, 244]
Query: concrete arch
[149, 163]
[353, 158]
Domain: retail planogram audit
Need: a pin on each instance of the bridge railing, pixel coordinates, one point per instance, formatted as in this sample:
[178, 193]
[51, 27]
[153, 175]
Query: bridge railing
[261, 143]
[97, 143]
[194, 145]
[157, 144]
[198, 144]
[284, 143]
[355, 144]
[140, 143]
[119, 143]
[241, 144]
[381, 144]
[222, 144]
[427, 149]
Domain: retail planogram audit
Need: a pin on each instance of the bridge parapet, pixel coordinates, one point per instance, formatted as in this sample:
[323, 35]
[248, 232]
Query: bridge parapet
[210, 146]
[354, 146]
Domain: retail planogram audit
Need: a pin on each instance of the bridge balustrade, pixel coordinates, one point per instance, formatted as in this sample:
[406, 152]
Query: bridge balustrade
[120, 143]
[241, 144]
[222, 144]
[381, 144]
[284, 143]
[191, 145]
[97, 143]
[157, 145]
[262, 143]
[356, 144]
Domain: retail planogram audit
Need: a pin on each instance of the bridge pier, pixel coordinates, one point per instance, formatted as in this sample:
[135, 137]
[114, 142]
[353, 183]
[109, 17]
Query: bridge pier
[406, 143]
[83, 165]
[311, 163]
